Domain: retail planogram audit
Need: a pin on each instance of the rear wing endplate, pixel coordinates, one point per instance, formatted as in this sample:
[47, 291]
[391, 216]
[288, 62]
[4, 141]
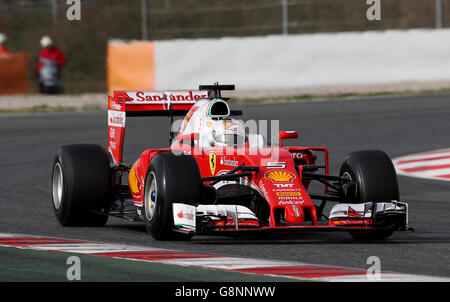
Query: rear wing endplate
[144, 103]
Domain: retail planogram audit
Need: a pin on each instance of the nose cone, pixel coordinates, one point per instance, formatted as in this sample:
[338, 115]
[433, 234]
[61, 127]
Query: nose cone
[294, 214]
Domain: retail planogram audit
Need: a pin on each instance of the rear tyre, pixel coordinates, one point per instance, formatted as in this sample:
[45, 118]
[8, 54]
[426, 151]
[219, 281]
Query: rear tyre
[170, 179]
[375, 179]
[81, 185]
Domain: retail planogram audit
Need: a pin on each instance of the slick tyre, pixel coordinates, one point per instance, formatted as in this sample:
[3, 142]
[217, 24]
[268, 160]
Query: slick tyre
[169, 179]
[81, 185]
[373, 174]
[375, 179]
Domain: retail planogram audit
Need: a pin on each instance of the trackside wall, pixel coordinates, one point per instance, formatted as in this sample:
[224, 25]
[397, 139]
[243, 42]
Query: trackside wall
[305, 60]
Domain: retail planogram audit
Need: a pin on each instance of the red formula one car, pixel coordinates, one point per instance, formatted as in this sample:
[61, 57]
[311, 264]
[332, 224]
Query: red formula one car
[218, 178]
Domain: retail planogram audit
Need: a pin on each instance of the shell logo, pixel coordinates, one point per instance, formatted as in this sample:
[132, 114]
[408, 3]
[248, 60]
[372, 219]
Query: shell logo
[133, 181]
[280, 176]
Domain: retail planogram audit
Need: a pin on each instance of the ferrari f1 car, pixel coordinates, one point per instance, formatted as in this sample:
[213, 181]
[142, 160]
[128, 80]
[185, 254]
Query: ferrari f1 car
[215, 178]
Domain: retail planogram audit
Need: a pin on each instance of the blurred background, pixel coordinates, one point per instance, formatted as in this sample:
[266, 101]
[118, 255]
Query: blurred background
[85, 42]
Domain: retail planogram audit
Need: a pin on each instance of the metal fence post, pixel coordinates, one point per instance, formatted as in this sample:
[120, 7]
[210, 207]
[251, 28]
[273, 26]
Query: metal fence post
[285, 16]
[54, 9]
[144, 22]
[439, 14]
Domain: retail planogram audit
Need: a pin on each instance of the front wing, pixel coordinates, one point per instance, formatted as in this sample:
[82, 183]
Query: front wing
[233, 219]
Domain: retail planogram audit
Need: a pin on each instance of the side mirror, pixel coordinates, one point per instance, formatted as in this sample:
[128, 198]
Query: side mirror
[287, 135]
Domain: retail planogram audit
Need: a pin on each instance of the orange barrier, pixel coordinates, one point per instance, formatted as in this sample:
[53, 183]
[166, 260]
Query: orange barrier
[13, 74]
[130, 66]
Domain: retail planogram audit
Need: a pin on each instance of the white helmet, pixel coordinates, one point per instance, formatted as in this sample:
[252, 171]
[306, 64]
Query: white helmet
[2, 38]
[227, 133]
[46, 41]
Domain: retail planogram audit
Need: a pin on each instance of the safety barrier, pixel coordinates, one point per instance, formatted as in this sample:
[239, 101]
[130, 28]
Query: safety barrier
[13, 74]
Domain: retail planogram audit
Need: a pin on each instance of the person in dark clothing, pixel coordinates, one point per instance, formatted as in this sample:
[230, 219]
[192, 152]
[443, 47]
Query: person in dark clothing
[51, 60]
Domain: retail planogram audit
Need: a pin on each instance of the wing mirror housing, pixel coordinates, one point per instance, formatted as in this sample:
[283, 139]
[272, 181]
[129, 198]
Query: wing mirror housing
[287, 135]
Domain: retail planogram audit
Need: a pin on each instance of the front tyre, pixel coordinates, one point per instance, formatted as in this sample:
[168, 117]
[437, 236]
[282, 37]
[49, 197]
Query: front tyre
[81, 185]
[374, 176]
[170, 179]
[375, 179]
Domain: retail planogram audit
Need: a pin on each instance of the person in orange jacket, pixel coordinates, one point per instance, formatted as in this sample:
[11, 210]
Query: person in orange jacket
[3, 49]
[49, 67]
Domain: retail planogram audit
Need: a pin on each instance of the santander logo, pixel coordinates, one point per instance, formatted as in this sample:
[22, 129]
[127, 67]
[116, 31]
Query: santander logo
[174, 96]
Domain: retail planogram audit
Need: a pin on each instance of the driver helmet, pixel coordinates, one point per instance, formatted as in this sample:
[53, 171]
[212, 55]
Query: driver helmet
[227, 133]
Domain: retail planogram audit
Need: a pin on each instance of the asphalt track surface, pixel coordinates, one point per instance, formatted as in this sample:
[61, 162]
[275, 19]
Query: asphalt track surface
[397, 125]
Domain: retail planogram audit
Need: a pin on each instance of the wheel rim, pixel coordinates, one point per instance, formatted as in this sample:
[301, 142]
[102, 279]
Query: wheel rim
[349, 178]
[57, 186]
[150, 194]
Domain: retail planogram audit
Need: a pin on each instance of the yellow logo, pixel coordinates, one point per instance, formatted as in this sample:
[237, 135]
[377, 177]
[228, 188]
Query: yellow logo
[289, 194]
[280, 176]
[212, 162]
[133, 181]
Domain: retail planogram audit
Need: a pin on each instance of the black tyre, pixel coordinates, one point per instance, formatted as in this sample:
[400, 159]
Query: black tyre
[170, 179]
[375, 179]
[81, 185]
[374, 176]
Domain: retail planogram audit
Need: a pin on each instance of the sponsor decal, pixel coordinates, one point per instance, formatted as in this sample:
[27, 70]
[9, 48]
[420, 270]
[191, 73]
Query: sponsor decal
[158, 97]
[115, 106]
[351, 221]
[187, 215]
[112, 133]
[290, 202]
[132, 180]
[289, 194]
[297, 155]
[283, 186]
[352, 212]
[229, 162]
[280, 176]
[116, 118]
[184, 216]
[212, 162]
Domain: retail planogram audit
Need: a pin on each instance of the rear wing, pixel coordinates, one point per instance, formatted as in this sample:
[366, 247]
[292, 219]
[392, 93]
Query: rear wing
[144, 103]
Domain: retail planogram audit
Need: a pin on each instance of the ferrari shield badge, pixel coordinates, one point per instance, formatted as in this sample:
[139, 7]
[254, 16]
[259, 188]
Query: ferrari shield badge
[212, 162]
